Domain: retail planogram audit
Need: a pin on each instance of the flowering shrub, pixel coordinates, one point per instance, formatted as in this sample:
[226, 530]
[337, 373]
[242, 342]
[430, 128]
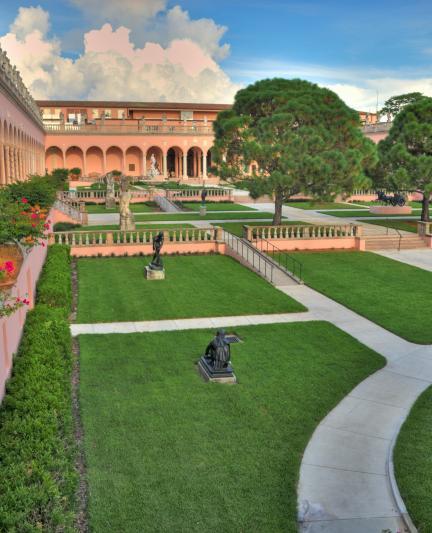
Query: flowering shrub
[8, 306]
[22, 222]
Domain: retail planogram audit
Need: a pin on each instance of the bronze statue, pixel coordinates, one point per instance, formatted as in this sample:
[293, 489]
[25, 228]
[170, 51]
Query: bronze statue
[158, 241]
[203, 196]
[218, 352]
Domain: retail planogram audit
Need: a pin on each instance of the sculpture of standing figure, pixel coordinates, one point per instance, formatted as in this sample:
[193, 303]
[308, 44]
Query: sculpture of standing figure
[110, 200]
[154, 169]
[158, 241]
[203, 196]
[218, 352]
[127, 222]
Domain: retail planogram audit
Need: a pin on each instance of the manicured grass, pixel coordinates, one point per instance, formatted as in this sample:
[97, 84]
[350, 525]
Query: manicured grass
[167, 452]
[365, 213]
[390, 293]
[413, 462]
[114, 289]
[216, 206]
[141, 207]
[319, 205]
[156, 225]
[405, 225]
[209, 216]
[237, 227]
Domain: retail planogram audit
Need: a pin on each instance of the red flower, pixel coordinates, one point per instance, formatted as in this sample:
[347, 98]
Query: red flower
[46, 226]
[9, 266]
[34, 215]
[24, 200]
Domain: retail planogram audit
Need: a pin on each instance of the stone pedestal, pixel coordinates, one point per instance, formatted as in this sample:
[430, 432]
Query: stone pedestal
[224, 375]
[390, 210]
[127, 222]
[110, 202]
[151, 274]
[203, 211]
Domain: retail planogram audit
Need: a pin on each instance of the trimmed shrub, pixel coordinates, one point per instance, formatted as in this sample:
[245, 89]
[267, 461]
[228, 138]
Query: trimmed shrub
[65, 226]
[37, 449]
[54, 286]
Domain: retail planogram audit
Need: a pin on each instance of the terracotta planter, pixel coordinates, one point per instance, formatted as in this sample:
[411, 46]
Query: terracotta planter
[10, 252]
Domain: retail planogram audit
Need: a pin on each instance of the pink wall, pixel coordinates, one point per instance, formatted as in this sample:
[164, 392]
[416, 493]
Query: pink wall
[336, 243]
[193, 247]
[11, 327]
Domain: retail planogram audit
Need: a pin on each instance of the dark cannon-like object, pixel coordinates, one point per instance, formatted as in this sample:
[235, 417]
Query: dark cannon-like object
[395, 200]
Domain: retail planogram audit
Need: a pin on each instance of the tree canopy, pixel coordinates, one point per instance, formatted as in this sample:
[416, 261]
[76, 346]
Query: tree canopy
[299, 138]
[406, 153]
[393, 105]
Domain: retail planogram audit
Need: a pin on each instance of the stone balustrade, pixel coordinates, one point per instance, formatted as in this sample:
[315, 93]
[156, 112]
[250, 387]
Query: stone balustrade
[99, 196]
[128, 127]
[322, 231]
[143, 236]
[424, 229]
[73, 209]
[191, 195]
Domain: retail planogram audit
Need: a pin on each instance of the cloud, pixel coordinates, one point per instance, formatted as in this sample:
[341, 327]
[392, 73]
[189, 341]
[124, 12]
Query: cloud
[150, 20]
[112, 67]
[30, 19]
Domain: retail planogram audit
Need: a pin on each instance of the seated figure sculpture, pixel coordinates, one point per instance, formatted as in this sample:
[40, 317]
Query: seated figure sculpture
[218, 352]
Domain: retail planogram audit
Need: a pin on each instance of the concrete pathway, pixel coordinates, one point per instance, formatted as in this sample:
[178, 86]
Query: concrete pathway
[187, 323]
[346, 476]
[421, 258]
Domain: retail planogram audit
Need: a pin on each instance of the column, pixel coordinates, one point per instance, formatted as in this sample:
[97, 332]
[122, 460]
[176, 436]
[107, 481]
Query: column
[185, 165]
[64, 158]
[2, 166]
[7, 164]
[143, 163]
[204, 165]
[84, 169]
[165, 168]
[195, 164]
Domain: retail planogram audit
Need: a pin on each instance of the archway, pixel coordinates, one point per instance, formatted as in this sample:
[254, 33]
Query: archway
[175, 162]
[194, 162]
[157, 152]
[94, 161]
[53, 158]
[75, 158]
[114, 159]
[134, 157]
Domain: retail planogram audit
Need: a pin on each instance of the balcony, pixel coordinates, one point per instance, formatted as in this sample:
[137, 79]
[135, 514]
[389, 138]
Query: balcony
[129, 127]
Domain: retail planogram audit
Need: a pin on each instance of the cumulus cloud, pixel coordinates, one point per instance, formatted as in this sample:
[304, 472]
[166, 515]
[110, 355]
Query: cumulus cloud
[112, 66]
[150, 20]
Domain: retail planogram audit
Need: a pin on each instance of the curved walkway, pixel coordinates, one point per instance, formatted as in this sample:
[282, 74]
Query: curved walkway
[346, 483]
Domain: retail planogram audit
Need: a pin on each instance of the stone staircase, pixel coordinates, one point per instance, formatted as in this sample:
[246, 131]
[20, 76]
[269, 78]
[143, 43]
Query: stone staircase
[394, 242]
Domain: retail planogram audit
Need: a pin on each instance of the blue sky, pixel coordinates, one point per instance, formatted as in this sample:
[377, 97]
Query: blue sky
[331, 42]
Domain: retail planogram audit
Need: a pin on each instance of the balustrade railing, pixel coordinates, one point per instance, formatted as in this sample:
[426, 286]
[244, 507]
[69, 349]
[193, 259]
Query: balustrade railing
[183, 195]
[98, 195]
[323, 231]
[129, 128]
[138, 236]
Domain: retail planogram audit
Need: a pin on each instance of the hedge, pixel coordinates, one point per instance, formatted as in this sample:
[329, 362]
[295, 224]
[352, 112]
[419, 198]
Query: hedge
[37, 448]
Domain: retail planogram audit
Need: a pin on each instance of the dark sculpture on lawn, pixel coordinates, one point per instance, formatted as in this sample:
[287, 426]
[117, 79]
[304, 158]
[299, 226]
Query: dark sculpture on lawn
[218, 352]
[395, 200]
[203, 196]
[158, 241]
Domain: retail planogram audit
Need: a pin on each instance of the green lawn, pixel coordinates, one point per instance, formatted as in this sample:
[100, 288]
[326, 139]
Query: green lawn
[365, 213]
[237, 227]
[114, 289]
[156, 225]
[141, 207]
[413, 462]
[216, 206]
[209, 216]
[166, 452]
[406, 225]
[390, 293]
[319, 205]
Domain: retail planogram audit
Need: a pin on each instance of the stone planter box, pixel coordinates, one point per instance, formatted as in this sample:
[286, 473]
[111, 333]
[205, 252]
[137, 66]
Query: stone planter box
[390, 210]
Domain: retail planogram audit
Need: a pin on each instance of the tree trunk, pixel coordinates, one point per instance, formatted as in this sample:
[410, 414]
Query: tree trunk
[277, 218]
[425, 208]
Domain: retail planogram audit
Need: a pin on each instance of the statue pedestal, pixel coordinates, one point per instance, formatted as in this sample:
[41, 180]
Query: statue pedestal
[203, 211]
[151, 274]
[110, 202]
[224, 375]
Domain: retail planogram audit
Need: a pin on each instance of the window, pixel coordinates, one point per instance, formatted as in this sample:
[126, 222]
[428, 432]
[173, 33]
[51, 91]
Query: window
[132, 167]
[121, 113]
[186, 115]
[95, 113]
[107, 113]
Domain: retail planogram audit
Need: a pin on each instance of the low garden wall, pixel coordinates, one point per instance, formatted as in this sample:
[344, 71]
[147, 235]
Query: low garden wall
[424, 229]
[299, 237]
[140, 242]
[98, 197]
[194, 195]
[11, 327]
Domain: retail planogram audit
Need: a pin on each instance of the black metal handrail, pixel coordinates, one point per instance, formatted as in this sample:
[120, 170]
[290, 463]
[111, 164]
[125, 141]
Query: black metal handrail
[289, 263]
